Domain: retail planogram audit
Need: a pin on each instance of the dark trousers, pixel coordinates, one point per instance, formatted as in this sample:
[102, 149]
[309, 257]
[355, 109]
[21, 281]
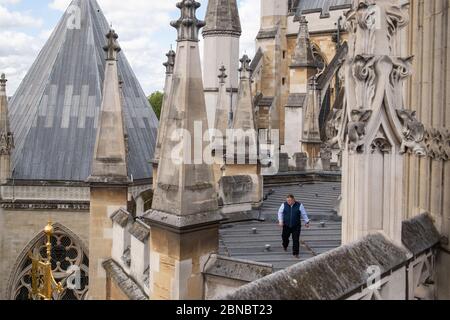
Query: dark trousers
[295, 232]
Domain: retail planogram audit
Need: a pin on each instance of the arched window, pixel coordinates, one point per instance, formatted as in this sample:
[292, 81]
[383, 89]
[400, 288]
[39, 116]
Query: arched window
[67, 251]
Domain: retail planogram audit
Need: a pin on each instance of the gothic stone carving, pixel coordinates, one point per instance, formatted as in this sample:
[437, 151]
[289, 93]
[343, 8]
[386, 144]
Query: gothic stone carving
[333, 126]
[6, 143]
[357, 129]
[412, 134]
[437, 143]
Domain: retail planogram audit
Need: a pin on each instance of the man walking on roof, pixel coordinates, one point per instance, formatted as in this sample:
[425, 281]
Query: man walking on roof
[290, 218]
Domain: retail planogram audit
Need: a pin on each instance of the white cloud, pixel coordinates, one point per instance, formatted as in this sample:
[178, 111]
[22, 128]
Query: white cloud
[143, 28]
[12, 19]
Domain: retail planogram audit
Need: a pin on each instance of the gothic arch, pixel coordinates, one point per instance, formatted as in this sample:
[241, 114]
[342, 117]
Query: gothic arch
[68, 250]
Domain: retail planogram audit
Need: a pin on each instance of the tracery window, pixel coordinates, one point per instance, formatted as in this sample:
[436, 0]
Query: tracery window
[67, 251]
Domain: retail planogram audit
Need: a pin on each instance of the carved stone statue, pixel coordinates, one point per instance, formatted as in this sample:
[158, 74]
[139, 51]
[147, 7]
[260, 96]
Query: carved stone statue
[413, 133]
[357, 128]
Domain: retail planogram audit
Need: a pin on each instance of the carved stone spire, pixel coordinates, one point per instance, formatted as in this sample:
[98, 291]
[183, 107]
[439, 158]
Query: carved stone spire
[245, 69]
[245, 116]
[184, 217]
[378, 129]
[222, 76]
[242, 146]
[170, 65]
[6, 137]
[187, 181]
[112, 47]
[311, 130]
[303, 53]
[3, 83]
[222, 112]
[188, 26]
[110, 158]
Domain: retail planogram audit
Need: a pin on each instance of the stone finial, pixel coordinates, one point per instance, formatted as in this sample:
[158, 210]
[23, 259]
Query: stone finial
[312, 83]
[303, 31]
[222, 76]
[245, 69]
[188, 26]
[112, 47]
[303, 53]
[170, 63]
[3, 81]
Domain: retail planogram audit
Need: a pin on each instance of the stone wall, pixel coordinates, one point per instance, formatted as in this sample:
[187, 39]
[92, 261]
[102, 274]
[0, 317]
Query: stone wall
[428, 93]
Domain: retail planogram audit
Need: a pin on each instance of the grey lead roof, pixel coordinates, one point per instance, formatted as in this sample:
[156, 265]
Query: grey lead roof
[322, 6]
[54, 113]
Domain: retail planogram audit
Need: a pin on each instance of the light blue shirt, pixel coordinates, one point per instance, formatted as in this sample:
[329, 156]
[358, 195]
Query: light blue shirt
[302, 211]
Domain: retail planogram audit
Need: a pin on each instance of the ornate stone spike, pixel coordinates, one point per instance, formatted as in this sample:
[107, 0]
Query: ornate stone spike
[112, 47]
[222, 76]
[245, 66]
[188, 26]
[170, 63]
[3, 82]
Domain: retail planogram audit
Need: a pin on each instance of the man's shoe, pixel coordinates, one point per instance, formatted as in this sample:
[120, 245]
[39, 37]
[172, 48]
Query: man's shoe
[285, 249]
[296, 256]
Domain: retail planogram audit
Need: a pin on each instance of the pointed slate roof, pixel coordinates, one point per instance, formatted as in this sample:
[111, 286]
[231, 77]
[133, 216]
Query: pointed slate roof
[222, 17]
[55, 112]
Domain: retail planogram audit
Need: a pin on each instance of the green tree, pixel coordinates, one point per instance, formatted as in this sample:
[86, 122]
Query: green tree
[156, 99]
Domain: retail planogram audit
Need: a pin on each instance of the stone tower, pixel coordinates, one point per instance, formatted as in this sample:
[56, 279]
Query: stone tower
[109, 177]
[184, 217]
[169, 64]
[221, 47]
[380, 129]
[6, 136]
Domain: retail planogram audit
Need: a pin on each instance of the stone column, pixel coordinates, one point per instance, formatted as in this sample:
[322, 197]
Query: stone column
[109, 177]
[184, 218]
[380, 129]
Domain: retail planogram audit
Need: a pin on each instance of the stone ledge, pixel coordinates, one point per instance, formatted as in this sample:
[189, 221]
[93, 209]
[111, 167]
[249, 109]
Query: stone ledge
[231, 268]
[121, 217]
[123, 281]
[140, 231]
[419, 234]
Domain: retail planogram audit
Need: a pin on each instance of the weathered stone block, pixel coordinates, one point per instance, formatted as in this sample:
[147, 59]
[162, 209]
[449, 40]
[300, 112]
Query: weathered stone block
[235, 189]
[301, 160]
[284, 162]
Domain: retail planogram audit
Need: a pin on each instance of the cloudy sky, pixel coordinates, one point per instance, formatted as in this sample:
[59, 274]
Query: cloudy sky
[143, 27]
